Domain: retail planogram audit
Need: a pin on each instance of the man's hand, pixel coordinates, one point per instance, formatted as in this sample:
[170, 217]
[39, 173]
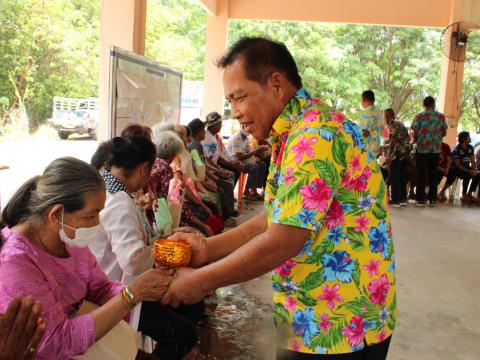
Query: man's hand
[199, 247]
[184, 289]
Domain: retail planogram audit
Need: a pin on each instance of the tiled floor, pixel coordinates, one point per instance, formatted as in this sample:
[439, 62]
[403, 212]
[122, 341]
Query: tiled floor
[438, 276]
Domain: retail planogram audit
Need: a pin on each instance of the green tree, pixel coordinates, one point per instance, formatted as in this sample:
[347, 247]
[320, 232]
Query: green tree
[175, 35]
[52, 51]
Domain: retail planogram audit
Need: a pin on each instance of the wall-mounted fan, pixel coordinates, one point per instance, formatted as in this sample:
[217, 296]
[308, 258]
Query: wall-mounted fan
[456, 37]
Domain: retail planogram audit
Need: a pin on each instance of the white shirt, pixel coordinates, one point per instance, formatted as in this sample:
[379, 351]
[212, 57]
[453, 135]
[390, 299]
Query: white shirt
[123, 250]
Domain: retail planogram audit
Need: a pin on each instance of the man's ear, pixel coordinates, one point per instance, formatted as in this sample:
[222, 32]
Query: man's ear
[54, 215]
[277, 82]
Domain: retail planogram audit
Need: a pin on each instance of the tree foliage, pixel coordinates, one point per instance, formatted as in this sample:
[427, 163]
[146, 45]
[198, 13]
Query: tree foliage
[48, 48]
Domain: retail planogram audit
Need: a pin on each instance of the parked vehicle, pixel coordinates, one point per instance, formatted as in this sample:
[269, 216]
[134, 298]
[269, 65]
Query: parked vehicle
[75, 116]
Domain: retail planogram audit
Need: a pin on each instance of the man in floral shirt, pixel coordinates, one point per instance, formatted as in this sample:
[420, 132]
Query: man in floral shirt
[370, 123]
[325, 231]
[429, 128]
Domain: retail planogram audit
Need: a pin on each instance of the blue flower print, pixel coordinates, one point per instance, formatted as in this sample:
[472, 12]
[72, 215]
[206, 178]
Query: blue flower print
[346, 208]
[306, 249]
[384, 315]
[277, 211]
[307, 217]
[304, 325]
[354, 130]
[337, 266]
[336, 234]
[290, 286]
[326, 135]
[365, 203]
[369, 324]
[379, 239]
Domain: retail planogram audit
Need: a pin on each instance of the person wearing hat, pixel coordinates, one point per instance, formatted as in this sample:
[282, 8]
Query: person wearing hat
[220, 176]
[215, 150]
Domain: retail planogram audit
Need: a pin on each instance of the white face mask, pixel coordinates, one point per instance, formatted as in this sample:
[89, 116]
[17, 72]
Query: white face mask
[83, 236]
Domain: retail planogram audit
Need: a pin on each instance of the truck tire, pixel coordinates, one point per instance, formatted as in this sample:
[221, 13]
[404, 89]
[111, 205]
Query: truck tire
[63, 135]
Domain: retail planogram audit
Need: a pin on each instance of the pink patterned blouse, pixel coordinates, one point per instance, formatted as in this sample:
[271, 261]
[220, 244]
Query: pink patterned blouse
[60, 284]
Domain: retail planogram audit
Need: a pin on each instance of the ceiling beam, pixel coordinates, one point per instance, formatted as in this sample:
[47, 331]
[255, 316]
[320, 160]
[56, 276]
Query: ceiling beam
[211, 6]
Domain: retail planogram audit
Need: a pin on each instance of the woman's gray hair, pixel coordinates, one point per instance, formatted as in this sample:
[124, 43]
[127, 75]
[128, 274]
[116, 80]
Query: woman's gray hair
[168, 144]
[67, 181]
[161, 127]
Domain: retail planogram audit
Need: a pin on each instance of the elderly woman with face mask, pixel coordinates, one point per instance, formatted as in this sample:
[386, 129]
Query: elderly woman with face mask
[50, 221]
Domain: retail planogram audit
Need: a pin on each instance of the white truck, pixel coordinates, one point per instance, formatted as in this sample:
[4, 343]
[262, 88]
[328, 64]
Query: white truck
[75, 116]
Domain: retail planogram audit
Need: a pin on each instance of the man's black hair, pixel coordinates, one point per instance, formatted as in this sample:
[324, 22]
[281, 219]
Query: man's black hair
[429, 102]
[262, 57]
[462, 135]
[369, 96]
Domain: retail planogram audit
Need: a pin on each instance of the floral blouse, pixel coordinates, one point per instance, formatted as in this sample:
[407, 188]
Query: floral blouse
[338, 293]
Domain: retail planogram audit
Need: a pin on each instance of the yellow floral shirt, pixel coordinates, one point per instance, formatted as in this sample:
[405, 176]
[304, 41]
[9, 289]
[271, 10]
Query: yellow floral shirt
[338, 293]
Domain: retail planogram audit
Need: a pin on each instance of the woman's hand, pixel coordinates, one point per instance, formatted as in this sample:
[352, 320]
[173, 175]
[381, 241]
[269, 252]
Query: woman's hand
[199, 247]
[21, 329]
[151, 285]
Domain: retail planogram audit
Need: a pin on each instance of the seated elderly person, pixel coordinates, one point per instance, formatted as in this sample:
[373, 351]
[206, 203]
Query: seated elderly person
[124, 247]
[220, 176]
[239, 148]
[169, 145]
[215, 151]
[50, 221]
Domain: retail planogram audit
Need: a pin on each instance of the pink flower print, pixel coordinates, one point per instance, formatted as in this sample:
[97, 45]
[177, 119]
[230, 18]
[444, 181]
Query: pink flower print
[382, 335]
[285, 269]
[311, 115]
[290, 304]
[330, 295]
[362, 223]
[334, 217]
[355, 163]
[295, 346]
[355, 332]
[378, 290]
[325, 324]
[372, 267]
[367, 173]
[290, 264]
[316, 196]
[288, 177]
[337, 117]
[304, 146]
[279, 158]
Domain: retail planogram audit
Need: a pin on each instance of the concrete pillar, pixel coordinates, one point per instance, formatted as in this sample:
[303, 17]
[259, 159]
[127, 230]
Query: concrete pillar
[452, 71]
[122, 24]
[216, 42]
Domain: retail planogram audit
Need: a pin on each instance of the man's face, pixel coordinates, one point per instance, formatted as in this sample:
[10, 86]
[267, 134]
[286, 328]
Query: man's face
[215, 129]
[255, 106]
[200, 136]
[363, 103]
